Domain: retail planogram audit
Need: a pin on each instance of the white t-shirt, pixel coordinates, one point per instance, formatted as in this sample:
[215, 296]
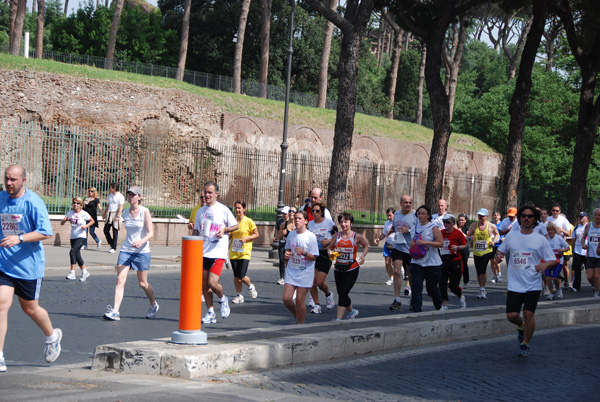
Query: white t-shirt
[507, 224]
[389, 237]
[540, 228]
[556, 243]
[432, 258]
[78, 220]
[136, 230]
[321, 230]
[208, 222]
[578, 236]
[114, 201]
[438, 220]
[593, 239]
[561, 222]
[402, 240]
[300, 271]
[523, 252]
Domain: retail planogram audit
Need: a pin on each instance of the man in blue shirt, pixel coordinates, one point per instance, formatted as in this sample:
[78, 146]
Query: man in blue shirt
[24, 223]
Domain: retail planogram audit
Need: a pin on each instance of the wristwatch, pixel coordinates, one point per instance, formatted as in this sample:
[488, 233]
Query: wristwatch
[21, 239]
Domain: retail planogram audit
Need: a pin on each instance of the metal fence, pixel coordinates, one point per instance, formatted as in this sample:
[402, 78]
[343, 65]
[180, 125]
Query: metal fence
[64, 161]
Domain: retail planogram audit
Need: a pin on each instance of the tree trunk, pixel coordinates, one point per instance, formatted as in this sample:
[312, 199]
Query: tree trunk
[453, 64]
[39, 33]
[66, 7]
[239, 48]
[395, 63]
[33, 8]
[185, 34]
[14, 4]
[324, 65]
[17, 32]
[420, 85]
[112, 34]
[518, 107]
[514, 58]
[265, 43]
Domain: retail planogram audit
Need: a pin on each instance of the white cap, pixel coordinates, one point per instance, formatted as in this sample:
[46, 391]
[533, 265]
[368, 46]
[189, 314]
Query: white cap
[483, 212]
[285, 210]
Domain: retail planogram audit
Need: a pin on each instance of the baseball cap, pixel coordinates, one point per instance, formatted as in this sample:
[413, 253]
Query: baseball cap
[307, 200]
[582, 213]
[512, 211]
[449, 217]
[135, 190]
[285, 210]
[483, 212]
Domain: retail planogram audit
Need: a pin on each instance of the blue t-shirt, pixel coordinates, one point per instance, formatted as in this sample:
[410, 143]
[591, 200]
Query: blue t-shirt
[19, 216]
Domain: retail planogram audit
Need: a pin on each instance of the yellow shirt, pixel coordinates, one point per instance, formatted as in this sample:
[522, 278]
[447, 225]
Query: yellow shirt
[237, 249]
[481, 241]
[570, 242]
[194, 212]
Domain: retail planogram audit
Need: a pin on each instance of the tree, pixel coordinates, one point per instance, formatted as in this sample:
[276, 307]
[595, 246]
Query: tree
[395, 62]
[39, 33]
[452, 55]
[518, 106]
[112, 34]
[239, 48]
[352, 25]
[324, 65]
[185, 34]
[429, 21]
[580, 19]
[419, 119]
[265, 39]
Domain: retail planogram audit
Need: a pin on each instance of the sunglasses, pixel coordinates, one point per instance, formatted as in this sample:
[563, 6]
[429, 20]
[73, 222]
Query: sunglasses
[76, 203]
[528, 216]
[556, 210]
[317, 211]
[293, 211]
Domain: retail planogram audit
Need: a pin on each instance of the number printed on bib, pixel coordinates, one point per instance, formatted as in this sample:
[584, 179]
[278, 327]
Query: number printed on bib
[445, 250]
[297, 262]
[346, 255]
[594, 239]
[521, 260]
[481, 245]
[237, 245]
[10, 224]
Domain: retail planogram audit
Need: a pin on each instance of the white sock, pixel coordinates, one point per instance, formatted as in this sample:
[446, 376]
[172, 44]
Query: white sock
[223, 298]
[398, 299]
[73, 271]
[251, 287]
[211, 310]
[84, 270]
[52, 337]
[1, 355]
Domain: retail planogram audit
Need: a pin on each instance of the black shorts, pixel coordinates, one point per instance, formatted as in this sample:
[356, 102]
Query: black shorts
[399, 255]
[323, 263]
[528, 301]
[26, 289]
[567, 257]
[481, 263]
[240, 268]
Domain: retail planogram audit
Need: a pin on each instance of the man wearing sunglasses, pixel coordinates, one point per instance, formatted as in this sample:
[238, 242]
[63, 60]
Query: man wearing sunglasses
[526, 250]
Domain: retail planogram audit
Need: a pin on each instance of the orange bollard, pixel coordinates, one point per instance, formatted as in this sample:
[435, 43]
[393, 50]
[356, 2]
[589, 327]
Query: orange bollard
[190, 301]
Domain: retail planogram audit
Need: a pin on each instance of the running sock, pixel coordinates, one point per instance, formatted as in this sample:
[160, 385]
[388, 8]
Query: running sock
[397, 299]
[73, 271]
[251, 287]
[211, 310]
[52, 337]
[1, 355]
[223, 298]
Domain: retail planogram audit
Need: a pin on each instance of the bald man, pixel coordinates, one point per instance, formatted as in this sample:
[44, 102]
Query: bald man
[316, 197]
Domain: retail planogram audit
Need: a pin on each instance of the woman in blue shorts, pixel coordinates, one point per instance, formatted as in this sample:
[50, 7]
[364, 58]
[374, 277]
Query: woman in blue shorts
[135, 254]
[388, 245]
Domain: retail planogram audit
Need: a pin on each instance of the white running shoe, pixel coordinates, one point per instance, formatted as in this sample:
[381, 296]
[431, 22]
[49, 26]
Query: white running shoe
[83, 247]
[253, 292]
[550, 296]
[53, 348]
[499, 280]
[559, 293]
[225, 307]
[151, 314]
[463, 302]
[311, 302]
[99, 245]
[111, 251]
[239, 299]
[111, 314]
[316, 309]
[483, 294]
[330, 301]
[596, 294]
[390, 282]
[352, 315]
[281, 281]
[2, 365]
[444, 307]
[209, 318]
[71, 276]
[84, 275]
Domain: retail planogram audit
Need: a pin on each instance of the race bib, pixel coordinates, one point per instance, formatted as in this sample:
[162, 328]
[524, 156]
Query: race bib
[399, 239]
[10, 224]
[521, 260]
[445, 250]
[237, 245]
[346, 255]
[297, 262]
[594, 239]
[481, 245]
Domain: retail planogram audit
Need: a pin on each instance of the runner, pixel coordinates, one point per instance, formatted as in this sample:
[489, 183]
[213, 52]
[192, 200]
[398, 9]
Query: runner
[301, 251]
[316, 196]
[388, 235]
[454, 243]
[579, 253]
[484, 236]
[134, 254]
[323, 229]
[287, 226]
[80, 222]
[465, 253]
[559, 246]
[24, 224]
[91, 205]
[507, 223]
[438, 219]
[195, 211]
[345, 247]
[592, 265]
[427, 265]
[213, 222]
[404, 220]
[562, 224]
[112, 216]
[241, 250]
[525, 249]
[496, 271]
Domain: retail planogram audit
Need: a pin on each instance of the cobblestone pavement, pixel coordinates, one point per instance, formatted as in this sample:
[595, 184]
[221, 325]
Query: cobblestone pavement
[563, 365]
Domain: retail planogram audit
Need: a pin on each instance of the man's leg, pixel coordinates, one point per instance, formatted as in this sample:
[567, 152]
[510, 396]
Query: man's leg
[213, 283]
[301, 305]
[6, 298]
[397, 277]
[38, 314]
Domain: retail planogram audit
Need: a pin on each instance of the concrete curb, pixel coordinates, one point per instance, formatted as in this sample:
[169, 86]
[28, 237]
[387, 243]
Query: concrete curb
[159, 357]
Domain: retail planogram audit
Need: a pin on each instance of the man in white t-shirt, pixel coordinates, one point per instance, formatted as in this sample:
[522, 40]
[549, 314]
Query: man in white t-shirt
[112, 216]
[316, 196]
[213, 221]
[526, 250]
[438, 219]
[562, 224]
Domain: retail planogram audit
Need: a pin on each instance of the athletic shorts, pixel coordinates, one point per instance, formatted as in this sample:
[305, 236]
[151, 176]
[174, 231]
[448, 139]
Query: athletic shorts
[495, 250]
[399, 255]
[387, 252]
[26, 289]
[567, 257]
[592, 262]
[553, 272]
[136, 261]
[214, 265]
[528, 301]
[481, 263]
[323, 263]
[240, 268]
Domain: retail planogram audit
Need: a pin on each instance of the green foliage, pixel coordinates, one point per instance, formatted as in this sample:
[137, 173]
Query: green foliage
[371, 89]
[406, 84]
[4, 24]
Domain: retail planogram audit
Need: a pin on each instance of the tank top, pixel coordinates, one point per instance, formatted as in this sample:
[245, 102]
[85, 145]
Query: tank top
[481, 241]
[348, 249]
[593, 240]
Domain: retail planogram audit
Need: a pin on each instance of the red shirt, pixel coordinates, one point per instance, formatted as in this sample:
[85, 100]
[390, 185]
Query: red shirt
[454, 238]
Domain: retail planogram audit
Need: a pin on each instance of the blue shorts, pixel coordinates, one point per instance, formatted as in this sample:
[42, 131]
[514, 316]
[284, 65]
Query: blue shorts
[26, 289]
[387, 252]
[553, 272]
[136, 261]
